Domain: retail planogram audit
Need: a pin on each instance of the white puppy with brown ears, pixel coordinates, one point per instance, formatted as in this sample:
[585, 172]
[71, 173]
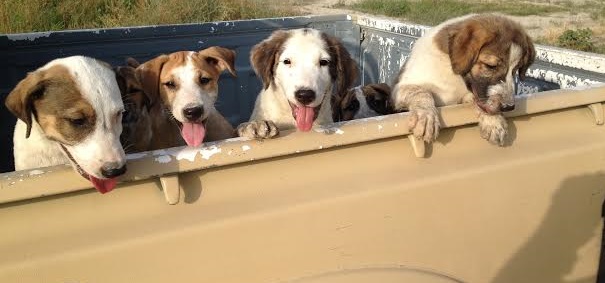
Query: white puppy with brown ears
[471, 58]
[70, 110]
[301, 70]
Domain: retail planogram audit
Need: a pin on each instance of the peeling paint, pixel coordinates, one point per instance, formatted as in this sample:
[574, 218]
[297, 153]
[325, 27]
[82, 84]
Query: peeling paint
[133, 156]
[27, 36]
[245, 147]
[159, 152]
[35, 172]
[163, 159]
[569, 58]
[209, 152]
[188, 153]
[565, 81]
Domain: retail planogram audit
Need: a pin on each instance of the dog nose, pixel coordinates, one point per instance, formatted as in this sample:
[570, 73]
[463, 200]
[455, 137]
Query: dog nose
[506, 108]
[193, 113]
[304, 96]
[112, 169]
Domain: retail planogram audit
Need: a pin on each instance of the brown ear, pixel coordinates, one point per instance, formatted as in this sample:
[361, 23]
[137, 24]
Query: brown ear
[378, 98]
[342, 68]
[20, 100]
[222, 58]
[148, 75]
[131, 62]
[121, 78]
[529, 55]
[465, 42]
[264, 56]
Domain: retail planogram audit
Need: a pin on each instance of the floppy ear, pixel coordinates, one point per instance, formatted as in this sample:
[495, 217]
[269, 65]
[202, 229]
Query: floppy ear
[342, 68]
[148, 75]
[121, 79]
[465, 42]
[221, 58]
[20, 100]
[264, 56]
[529, 55]
[131, 62]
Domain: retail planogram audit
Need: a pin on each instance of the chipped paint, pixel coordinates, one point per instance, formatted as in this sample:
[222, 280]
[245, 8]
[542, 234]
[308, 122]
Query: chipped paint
[36, 172]
[187, 153]
[329, 131]
[163, 159]
[159, 152]
[209, 152]
[245, 147]
[569, 58]
[133, 156]
[27, 36]
[393, 26]
[565, 81]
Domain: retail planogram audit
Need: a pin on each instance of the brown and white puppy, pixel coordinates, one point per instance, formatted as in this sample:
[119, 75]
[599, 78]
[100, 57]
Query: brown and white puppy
[182, 88]
[363, 102]
[70, 110]
[471, 58]
[300, 70]
[136, 121]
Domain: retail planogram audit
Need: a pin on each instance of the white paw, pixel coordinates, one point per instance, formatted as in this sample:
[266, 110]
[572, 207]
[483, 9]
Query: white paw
[424, 123]
[257, 130]
[493, 128]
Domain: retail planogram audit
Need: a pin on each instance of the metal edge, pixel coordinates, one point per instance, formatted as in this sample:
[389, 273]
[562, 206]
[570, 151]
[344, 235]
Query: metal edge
[28, 184]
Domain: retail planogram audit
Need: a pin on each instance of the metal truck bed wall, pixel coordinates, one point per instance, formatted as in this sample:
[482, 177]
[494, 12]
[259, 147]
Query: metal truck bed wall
[346, 203]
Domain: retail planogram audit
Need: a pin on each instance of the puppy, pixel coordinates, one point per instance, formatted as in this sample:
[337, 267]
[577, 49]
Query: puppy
[136, 121]
[363, 102]
[182, 88]
[70, 110]
[471, 58]
[301, 70]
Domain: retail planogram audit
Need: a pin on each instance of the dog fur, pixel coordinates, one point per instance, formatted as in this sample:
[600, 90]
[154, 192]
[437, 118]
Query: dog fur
[363, 102]
[301, 71]
[70, 110]
[180, 81]
[470, 58]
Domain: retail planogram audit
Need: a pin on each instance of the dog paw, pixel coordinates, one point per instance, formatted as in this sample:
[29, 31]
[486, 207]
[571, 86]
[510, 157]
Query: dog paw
[424, 123]
[257, 130]
[493, 128]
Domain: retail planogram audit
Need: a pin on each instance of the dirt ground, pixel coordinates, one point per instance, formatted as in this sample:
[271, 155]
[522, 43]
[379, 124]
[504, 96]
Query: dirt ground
[546, 27]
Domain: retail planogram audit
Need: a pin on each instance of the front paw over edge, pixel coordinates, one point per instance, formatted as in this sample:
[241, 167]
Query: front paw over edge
[493, 128]
[258, 130]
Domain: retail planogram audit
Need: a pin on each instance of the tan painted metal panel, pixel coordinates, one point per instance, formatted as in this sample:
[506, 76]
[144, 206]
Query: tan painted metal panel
[360, 209]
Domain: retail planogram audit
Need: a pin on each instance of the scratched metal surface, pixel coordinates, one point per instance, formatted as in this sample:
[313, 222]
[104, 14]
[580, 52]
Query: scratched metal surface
[386, 45]
[21, 53]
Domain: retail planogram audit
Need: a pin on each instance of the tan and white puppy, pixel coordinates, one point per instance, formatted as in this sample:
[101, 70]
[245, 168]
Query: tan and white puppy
[301, 70]
[363, 102]
[182, 88]
[471, 58]
[70, 110]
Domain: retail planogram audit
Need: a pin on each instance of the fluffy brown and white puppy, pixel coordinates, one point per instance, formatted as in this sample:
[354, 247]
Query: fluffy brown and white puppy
[136, 121]
[364, 101]
[182, 88]
[471, 58]
[70, 110]
[300, 70]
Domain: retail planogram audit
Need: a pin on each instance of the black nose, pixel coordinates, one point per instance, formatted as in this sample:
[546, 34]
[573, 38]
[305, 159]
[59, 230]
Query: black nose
[506, 108]
[304, 96]
[112, 170]
[193, 113]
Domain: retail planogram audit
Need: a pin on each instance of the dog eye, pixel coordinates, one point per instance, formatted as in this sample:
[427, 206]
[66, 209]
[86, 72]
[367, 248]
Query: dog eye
[170, 84]
[287, 62]
[490, 67]
[324, 62]
[77, 122]
[204, 81]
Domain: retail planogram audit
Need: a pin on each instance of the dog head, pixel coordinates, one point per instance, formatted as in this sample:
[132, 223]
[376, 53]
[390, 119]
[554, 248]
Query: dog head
[136, 120]
[488, 51]
[363, 102]
[76, 102]
[186, 84]
[307, 66]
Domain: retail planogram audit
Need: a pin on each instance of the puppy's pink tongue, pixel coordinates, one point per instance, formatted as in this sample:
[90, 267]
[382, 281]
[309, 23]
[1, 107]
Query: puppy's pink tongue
[103, 185]
[193, 133]
[304, 118]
